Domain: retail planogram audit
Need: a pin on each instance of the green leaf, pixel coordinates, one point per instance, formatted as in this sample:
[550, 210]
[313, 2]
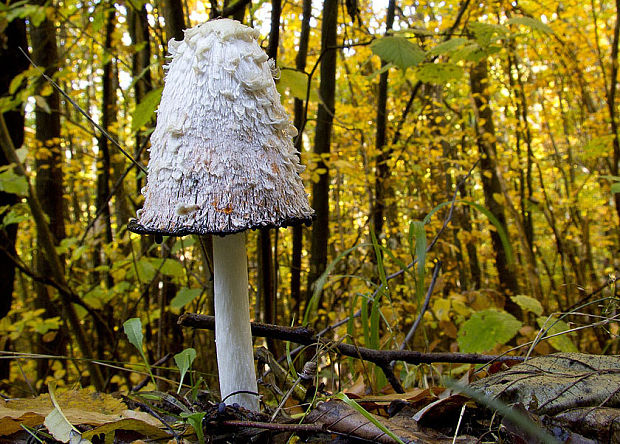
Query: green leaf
[195, 420]
[146, 270]
[297, 83]
[449, 46]
[470, 53]
[145, 110]
[13, 183]
[42, 104]
[169, 267]
[42, 326]
[554, 326]
[530, 22]
[615, 188]
[133, 331]
[439, 73]
[17, 213]
[398, 50]
[98, 18]
[485, 329]
[22, 153]
[37, 16]
[487, 33]
[17, 82]
[528, 303]
[358, 408]
[184, 361]
[182, 243]
[379, 257]
[418, 232]
[184, 296]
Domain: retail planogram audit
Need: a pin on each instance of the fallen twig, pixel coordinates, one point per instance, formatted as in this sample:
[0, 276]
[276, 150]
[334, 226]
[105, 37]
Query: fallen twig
[306, 336]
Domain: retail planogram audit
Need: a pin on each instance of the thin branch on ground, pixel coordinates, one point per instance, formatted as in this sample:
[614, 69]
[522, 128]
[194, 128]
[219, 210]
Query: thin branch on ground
[306, 336]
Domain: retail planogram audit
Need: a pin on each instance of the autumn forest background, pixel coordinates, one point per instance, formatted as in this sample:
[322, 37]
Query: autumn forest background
[462, 159]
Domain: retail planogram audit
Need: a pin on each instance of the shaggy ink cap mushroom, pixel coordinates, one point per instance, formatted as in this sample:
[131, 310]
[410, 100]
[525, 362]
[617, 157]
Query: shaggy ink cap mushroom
[222, 157]
[223, 161]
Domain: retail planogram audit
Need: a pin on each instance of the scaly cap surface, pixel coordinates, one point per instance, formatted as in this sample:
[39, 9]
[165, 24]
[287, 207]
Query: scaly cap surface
[222, 156]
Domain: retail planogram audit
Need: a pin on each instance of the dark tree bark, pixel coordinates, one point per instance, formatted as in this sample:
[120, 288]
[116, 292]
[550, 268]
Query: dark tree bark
[611, 104]
[49, 179]
[12, 62]
[382, 169]
[174, 18]
[268, 293]
[298, 120]
[490, 180]
[322, 142]
[141, 60]
[523, 134]
[108, 111]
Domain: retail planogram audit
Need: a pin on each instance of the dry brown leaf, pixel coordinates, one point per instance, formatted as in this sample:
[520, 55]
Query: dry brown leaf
[81, 407]
[135, 425]
[337, 417]
[577, 391]
[10, 425]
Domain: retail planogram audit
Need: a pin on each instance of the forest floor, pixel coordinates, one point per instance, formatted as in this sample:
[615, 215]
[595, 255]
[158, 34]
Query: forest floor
[565, 397]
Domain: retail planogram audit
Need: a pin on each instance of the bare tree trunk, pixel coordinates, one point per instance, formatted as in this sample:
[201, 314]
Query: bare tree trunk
[611, 103]
[49, 179]
[12, 62]
[322, 142]
[490, 181]
[523, 133]
[139, 31]
[268, 291]
[174, 18]
[108, 111]
[300, 64]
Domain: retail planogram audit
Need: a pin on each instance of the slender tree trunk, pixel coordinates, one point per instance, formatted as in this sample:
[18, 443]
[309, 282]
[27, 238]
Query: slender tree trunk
[490, 182]
[299, 118]
[382, 169]
[174, 18]
[322, 142]
[12, 62]
[495, 183]
[49, 178]
[611, 104]
[108, 111]
[268, 293]
[139, 31]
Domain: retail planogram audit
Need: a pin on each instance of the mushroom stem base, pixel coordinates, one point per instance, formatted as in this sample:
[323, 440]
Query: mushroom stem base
[233, 337]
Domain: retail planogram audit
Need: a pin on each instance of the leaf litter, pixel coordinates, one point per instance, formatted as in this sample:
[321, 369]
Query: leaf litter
[574, 397]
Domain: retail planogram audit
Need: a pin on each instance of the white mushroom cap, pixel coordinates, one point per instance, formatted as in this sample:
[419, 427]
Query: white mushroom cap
[222, 156]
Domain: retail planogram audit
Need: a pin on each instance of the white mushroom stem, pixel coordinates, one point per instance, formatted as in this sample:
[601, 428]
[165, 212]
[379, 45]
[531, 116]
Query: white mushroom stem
[233, 337]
